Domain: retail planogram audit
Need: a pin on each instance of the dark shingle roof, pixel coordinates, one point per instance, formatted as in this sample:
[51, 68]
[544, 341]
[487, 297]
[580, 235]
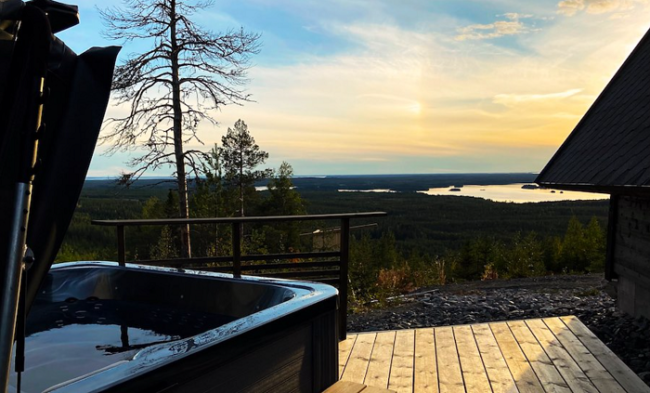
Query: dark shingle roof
[610, 146]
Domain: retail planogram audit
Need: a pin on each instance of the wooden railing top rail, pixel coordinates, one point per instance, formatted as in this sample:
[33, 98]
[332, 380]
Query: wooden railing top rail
[235, 220]
[243, 258]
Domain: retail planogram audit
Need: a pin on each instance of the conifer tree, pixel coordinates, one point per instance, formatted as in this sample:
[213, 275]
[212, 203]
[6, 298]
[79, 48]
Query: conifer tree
[240, 156]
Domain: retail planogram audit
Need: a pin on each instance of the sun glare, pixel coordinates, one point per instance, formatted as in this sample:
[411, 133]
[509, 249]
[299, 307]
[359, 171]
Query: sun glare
[416, 108]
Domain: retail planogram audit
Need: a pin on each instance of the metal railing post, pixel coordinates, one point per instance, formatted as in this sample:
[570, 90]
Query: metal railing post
[236, 249]
[343, 284]
[121, 249]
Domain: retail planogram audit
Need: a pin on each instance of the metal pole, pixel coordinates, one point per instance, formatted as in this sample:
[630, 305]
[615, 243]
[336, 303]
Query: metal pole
[28, 70]
[236, 249]
[344, 280]
[121, 249]
[10, 280]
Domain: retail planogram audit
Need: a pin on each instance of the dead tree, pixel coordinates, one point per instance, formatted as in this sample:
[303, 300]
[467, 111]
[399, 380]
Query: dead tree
[186, 74]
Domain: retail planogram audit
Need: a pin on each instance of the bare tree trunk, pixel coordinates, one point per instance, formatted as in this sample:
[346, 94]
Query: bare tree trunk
[186, 248]
[241, 192]
[241, 183]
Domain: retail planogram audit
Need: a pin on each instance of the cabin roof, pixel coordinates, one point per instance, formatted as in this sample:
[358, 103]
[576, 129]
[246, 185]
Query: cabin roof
[610, 146]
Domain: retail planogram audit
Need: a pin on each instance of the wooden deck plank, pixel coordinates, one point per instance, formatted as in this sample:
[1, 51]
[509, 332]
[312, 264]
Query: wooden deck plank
[595, 371]
[345, 347]
[549, 355]
[450, 377]
[626, 377]
[345, 387]
[381, 360]
[474, 374]
[548, 375]
[372, 389]
[521, 370]
[499, 375]
[426, 372]
[355, 370]
[401, 370]
[562, 360]
[353, 387]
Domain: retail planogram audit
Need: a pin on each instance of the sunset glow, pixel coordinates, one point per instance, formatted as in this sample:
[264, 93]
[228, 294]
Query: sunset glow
[416, 86]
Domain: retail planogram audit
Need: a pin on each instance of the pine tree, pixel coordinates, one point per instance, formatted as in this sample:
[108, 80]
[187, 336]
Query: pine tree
[240, 156]
[574, 248]
[595, 245]
[284, 200]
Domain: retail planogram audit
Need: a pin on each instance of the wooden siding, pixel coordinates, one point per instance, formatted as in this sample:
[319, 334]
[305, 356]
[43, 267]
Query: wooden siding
[631, 255]
[538, 356]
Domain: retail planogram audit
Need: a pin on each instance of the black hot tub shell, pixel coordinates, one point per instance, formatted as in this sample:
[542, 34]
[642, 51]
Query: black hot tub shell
[96, 326]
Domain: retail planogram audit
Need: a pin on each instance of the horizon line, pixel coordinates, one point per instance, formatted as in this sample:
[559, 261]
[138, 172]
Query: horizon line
[341, 175]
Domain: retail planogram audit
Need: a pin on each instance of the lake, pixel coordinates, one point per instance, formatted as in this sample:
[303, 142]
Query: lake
[515, 193]
[503, 193]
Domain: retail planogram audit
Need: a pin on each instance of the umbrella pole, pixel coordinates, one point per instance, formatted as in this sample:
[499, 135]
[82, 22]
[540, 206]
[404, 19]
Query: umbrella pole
[26, 94]
[11, 282]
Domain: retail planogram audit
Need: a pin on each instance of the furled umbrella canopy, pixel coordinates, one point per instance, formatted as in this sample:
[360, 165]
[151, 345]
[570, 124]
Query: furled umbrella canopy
[52, 104]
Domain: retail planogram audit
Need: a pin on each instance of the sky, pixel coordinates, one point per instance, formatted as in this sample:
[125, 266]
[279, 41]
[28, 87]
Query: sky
[409, 86]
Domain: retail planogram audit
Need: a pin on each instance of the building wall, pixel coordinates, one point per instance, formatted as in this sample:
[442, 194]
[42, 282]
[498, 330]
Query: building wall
[631, 255]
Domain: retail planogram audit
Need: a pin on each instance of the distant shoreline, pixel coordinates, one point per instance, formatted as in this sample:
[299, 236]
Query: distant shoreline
[395, 182]
[336, 176]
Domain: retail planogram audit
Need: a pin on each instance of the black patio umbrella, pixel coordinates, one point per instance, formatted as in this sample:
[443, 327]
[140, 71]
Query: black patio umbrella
[52, 103]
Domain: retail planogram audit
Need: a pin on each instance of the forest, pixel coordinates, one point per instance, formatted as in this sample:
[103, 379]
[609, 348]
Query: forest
[423, 240]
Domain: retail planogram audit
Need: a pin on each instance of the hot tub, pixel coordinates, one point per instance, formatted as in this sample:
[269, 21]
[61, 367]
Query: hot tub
[96, 326]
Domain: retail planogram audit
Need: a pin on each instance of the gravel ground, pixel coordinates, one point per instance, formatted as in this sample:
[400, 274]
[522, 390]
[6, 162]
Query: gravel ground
[499, 300]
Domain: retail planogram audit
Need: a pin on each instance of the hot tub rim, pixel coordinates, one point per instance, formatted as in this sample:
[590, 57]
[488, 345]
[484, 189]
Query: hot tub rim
[156, 356]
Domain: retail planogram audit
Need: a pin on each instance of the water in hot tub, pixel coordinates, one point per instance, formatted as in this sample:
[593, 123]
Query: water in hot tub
[70, 339]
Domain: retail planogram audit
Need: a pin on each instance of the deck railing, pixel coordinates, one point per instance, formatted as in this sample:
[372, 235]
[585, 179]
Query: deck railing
[334, 272]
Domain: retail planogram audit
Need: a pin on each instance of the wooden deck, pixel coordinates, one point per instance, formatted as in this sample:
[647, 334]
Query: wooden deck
[353, 387]
[557, 355]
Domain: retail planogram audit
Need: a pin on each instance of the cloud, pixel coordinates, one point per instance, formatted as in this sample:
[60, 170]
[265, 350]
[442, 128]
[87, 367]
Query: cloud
[500, 28]
[392, 101]
[516, 16]
[512, 99]
[572, 7]
[374, 159]
[603, 6]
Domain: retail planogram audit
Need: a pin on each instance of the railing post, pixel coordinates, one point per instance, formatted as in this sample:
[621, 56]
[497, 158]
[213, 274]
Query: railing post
[236, 249]
[121, 249]
[344, 280]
